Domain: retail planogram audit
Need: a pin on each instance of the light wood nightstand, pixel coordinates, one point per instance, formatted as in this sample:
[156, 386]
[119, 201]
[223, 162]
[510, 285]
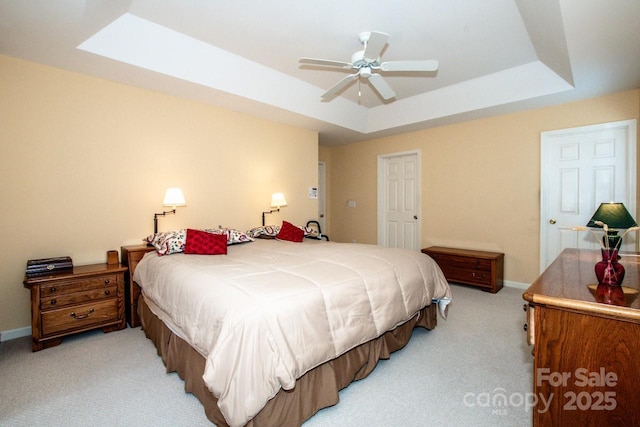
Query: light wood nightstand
[131, 255]
[89, 297]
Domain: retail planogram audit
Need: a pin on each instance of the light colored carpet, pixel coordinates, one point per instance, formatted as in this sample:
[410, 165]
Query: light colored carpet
[444, 377]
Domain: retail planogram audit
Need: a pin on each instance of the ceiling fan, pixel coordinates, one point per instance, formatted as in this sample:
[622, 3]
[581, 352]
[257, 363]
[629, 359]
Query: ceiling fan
[366, 62]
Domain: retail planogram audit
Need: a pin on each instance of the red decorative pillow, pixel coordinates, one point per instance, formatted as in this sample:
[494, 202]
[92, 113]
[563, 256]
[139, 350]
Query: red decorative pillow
[290, 232]
[202, 243]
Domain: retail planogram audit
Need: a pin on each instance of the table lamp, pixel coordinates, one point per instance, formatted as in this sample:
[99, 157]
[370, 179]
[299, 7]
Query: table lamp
[611, 217]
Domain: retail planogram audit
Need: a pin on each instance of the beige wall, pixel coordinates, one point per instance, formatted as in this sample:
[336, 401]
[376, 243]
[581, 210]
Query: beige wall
[480, 180]
[84, 164]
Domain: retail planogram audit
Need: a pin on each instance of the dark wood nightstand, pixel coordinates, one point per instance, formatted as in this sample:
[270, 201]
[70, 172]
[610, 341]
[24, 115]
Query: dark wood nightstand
[89, 297]
[131, 255]
[477, 268]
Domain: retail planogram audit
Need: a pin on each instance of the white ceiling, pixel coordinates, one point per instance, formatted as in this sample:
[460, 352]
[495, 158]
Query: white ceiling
[496, 56]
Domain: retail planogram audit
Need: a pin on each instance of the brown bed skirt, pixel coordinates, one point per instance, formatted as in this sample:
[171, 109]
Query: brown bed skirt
[315, 390]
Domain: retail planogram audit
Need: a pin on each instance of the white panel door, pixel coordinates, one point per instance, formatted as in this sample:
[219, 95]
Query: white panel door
[400, 201]
[581, 168]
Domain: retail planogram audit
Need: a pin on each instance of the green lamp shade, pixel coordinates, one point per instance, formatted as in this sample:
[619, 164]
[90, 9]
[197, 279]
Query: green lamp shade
[615, 215]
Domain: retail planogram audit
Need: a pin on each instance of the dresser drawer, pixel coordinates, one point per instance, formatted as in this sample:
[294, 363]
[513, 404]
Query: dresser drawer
[79, 316]
[61, 288]
[476, 276]
[530, 326]
[461, 263]
[82, 296]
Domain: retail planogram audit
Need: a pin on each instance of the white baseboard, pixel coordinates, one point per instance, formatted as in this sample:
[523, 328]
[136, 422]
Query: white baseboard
[519, 285]
[15, 333]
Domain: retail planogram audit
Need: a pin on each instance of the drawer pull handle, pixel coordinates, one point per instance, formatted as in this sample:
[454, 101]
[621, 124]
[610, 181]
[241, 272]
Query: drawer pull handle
[53, 302]
[52, 290]
[107, 292]
[106, 281]
[81, 316]
[524, 307]
[525, 327]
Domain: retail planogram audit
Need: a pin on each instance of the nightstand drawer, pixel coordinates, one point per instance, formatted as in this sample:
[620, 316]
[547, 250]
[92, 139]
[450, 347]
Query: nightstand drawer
[67, 287]
[79, 316]
[53, 302]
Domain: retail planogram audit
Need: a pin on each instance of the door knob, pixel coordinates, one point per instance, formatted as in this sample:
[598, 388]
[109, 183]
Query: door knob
[415, 217]
[552, 221]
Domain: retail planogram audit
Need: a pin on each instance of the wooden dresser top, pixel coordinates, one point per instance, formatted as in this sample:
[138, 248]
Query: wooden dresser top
[462, 252]
[79, 271]
[570, 282]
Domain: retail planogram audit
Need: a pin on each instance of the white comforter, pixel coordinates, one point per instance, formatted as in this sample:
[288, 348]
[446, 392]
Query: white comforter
[269, 311]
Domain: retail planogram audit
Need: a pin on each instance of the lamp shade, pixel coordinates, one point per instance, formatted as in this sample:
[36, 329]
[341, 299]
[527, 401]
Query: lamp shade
[174, 197]
[615, 215]
[278, 200]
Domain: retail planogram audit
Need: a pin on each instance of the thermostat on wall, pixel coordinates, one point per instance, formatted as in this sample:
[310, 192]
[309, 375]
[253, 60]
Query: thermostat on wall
[313, 192]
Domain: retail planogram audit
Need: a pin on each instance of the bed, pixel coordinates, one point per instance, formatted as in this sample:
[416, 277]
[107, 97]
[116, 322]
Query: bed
[268, 333]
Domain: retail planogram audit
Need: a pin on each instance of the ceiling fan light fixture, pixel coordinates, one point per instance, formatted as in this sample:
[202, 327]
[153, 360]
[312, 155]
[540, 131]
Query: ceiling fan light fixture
[365, 62]
[357, 59]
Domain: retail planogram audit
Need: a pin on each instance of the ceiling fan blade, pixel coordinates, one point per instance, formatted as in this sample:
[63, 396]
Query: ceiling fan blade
[426, 65]
[381, 86]
[375, 44]
[328, 95]
[327, 62]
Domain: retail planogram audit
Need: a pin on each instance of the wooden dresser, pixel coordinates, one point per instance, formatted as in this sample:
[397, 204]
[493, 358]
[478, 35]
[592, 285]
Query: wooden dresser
[585, 352]
[477, 268]
[89, 297]
[131, 255]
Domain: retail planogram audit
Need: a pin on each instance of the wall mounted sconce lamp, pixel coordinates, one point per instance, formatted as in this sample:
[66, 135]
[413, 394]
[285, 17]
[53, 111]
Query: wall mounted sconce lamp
[277, 201]
[172, 197]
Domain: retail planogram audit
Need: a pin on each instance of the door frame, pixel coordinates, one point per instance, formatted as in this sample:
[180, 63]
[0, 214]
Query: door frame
[546, 138]
[382, 235]
[322, 196]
